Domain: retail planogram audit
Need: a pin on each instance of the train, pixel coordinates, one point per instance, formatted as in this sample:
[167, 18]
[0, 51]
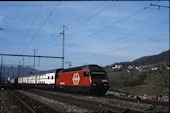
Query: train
[88, 78]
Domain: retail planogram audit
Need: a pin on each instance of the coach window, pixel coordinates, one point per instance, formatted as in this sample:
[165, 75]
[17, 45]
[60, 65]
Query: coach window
[52, 77]
[48, 77]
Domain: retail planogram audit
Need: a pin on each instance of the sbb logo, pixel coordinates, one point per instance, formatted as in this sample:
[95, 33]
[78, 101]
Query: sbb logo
[76, 79]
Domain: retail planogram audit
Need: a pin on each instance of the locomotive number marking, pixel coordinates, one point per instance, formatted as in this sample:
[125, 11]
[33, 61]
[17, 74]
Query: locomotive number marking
[62, 83]
[76, 78]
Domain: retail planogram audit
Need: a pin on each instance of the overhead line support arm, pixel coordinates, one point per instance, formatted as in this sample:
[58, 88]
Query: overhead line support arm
[30, 56]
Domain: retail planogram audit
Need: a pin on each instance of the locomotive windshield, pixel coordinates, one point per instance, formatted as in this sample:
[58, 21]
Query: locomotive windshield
[101, 75]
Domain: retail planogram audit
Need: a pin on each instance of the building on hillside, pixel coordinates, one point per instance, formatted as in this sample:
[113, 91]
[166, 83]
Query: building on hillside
[139, 68]
[127, 71]
[154, 68]
[130, 67]
[146, 69]
[167, 67]
[117, 67]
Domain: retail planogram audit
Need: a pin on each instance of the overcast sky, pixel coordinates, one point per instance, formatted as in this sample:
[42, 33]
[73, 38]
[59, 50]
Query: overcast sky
[97, 32]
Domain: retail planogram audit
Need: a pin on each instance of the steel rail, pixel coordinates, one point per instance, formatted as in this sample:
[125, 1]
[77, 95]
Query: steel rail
[159, 103]
[41, 103]
[33, 103]
[22, 102]
[105, 107]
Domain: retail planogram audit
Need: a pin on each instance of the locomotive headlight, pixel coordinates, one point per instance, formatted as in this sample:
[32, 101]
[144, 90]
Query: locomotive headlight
[94, 84]
[105, 84]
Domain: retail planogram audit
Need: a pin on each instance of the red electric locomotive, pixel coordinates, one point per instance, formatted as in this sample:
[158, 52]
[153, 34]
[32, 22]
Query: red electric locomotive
[88, 78]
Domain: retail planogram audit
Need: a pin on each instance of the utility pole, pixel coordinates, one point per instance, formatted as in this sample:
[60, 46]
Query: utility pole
[63, 33]
[7, 73]
[1, 66]
[23, 67]
[1, 75]
[11, 72]
[4, 72]
[34, 60]
[19, 69]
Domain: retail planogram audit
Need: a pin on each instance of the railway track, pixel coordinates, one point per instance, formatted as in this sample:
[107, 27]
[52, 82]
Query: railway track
[96, 106]
[32, 105]
[154, 103]
[157, 103]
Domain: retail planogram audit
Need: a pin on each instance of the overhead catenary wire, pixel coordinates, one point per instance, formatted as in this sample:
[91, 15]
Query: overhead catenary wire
[86, 37]
[125, 37]
[33, 21]
[44, 23]
[42, 26]
[75, 22]
[128, 16]
[121, 20]
[112, 51]
[78, 19]
[44, 47]
[99, 11]
[44, 44]
[91, 17]
[142, 30]
[103, 29]
[51, 12]
[29, 29]
[49, 44]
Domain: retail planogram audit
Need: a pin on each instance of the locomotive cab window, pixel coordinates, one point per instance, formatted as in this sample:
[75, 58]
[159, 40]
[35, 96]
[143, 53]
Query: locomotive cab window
[101, 75]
